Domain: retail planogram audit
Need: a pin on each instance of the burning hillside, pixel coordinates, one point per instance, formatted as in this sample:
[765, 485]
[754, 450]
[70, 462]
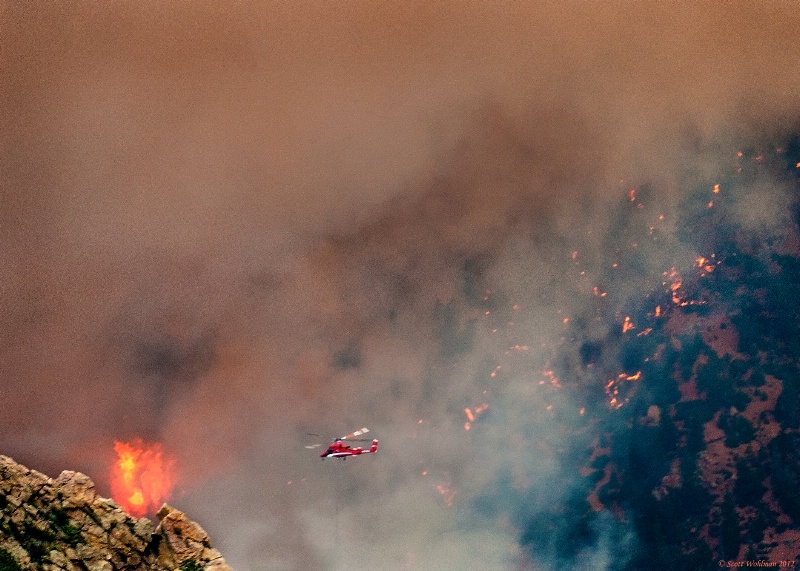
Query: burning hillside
[694, 448]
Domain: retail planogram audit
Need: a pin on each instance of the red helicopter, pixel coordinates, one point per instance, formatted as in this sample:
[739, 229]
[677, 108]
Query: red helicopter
[338, 449]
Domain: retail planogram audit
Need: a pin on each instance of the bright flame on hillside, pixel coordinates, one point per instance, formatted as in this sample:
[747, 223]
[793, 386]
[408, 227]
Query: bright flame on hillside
[627, 325]
[471, 416]
[619, 391]
[141, 478]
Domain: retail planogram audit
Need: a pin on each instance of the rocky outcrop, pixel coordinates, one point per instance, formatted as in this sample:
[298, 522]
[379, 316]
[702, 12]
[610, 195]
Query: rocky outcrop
[63, 524]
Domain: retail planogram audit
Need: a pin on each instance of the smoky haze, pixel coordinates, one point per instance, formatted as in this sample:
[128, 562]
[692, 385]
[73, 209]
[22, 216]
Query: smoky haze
[226, 226]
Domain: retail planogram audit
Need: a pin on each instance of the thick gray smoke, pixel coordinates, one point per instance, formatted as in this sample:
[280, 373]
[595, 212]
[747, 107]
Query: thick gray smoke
[226, 226]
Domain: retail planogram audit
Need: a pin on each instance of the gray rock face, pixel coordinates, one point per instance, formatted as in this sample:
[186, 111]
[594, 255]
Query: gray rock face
[63, 524]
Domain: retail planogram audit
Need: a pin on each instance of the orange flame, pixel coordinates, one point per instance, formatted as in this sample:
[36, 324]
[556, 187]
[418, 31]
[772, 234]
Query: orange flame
[627, 325]
[676, 284]
[614, 387]
[141, 479]
[705, 264]
[470, 416]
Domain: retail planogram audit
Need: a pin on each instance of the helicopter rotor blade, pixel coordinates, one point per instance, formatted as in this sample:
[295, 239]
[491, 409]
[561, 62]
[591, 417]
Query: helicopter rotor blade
[312, 446]
[350, 438]
[356, 433]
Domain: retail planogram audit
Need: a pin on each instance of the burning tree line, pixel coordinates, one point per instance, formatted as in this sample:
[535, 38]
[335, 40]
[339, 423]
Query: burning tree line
[747, 289]
[664, 361]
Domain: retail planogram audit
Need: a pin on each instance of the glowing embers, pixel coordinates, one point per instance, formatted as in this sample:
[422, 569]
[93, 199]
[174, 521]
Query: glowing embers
[715, 190]
[444, 487]
[706, 265]
[472, 415]
[677, 292]
[620, 390]
[447, 493]
[675, 282]
[517, 349]
[142, 477]
[627, 324]
[550, 379]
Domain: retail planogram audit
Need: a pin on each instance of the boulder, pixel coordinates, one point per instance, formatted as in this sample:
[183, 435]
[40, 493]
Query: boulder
[63, 524]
